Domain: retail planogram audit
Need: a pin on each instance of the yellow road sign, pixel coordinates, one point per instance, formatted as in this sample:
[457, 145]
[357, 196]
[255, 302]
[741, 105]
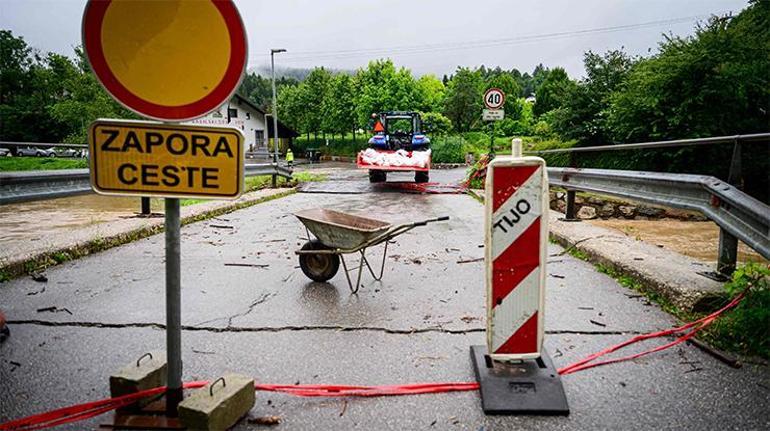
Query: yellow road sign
[151, 159]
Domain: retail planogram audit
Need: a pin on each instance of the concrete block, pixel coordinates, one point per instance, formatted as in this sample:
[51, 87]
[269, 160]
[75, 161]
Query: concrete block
[147, 372]
[218, 405]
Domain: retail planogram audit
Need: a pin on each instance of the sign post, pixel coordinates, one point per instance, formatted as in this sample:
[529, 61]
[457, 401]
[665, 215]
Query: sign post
[494, 100]
[515, 373]
[171, 61]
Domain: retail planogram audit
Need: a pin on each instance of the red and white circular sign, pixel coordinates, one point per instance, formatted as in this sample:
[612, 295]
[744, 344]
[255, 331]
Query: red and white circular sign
[494, 98]
[170, 60]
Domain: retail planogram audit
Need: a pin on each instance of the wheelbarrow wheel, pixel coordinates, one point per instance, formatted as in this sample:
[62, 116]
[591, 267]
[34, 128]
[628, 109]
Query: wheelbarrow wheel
[318, 267]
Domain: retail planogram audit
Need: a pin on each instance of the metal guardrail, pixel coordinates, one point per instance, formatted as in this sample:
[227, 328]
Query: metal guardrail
[740, 214]
[40, 185]
[731, 139]
[40, 145]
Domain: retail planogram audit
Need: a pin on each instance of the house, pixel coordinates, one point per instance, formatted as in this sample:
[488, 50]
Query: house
[242, 114]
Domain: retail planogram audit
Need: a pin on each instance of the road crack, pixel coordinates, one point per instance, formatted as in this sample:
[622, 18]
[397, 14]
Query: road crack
[298, 328]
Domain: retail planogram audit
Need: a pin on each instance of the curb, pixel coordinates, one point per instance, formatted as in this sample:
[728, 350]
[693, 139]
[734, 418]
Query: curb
[134, 230]
[667, 273]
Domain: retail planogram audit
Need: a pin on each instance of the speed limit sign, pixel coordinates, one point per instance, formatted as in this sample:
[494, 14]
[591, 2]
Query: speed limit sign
[494, 98]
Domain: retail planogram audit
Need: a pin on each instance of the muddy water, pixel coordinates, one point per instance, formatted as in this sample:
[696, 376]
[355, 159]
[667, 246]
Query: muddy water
[41, 218]
[695, 239]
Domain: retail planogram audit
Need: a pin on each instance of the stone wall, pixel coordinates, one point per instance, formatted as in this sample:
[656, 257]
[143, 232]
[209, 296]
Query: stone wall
[590, 207]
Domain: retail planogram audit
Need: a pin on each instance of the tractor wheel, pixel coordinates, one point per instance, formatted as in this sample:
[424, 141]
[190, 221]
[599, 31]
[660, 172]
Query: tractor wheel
[421, 176]
[318, 267]
[376, 176]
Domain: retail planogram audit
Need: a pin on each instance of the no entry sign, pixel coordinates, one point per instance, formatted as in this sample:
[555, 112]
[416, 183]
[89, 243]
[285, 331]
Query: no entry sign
[151, 159]
[170, 60]
[516, 226]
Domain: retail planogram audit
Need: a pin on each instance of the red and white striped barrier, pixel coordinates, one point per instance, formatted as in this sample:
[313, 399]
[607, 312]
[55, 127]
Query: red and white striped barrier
[516, 226]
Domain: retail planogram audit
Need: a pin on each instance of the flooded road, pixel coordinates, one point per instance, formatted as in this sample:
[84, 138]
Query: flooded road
[698, 240]
[41, 218]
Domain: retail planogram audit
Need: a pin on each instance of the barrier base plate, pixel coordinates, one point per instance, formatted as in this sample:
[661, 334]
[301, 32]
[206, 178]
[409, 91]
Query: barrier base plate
[531, 387]
[151, 417]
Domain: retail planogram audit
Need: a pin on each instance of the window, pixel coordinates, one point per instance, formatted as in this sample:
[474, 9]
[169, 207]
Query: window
[248, 115]
[232, 112]
[259, 137]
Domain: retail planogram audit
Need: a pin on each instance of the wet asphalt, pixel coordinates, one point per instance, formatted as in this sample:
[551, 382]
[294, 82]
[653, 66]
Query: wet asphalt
[417, 325]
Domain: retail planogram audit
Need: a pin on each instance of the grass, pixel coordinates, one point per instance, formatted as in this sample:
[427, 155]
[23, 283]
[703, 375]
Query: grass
[8, 164]
[743, 330]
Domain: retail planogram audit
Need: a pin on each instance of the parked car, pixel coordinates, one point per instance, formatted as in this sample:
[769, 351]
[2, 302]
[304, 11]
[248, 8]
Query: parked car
[5, 152]
[30, 151]
[70, 152]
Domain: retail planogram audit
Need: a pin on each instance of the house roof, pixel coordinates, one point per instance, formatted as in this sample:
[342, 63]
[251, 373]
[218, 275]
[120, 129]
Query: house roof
[283, 130]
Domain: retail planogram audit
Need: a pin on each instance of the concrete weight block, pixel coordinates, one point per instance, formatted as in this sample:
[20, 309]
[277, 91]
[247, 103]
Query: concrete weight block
[218, 405]
[147, 372]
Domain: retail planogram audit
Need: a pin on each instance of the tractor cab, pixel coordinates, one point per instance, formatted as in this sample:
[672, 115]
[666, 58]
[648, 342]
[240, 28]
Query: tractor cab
[398, 130]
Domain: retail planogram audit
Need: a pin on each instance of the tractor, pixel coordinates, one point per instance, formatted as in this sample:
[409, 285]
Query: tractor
[399, 144]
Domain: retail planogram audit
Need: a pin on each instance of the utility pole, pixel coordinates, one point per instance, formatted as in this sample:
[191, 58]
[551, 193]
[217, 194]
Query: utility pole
[275, 105]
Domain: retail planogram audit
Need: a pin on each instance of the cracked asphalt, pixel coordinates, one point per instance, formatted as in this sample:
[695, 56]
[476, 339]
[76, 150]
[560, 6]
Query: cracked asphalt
[417, 325]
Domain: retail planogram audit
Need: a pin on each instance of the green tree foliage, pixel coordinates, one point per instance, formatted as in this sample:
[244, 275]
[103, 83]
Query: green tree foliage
[29, 85]
[259, 89]
[716, 82]
[436, 123]
[582, 114]
[552, 91]
[339, 110]
[430, 94]
[464, 98]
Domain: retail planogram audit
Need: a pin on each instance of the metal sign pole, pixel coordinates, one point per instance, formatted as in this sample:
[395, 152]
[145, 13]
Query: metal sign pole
[173, 308]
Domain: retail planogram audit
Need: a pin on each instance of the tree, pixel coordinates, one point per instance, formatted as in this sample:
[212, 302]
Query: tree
[551, 93]
[584, 108]
[380, 87]
[464, 98]
[435, 123]
[314, 92]
[430, 94]
[716, 82]
[339, 110]
[85, 101]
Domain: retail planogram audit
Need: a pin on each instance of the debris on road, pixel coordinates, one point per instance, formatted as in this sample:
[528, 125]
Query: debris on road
[253, 265]
[39, 277]
[54, 309]
[556, 275]
[718, 354]
[265, 420]
[585, 308]
[221, 226]
[597, 323]
[478, 259]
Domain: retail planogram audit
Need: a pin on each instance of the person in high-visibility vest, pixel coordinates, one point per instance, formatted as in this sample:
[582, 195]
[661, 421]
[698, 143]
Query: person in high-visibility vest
[289, 157]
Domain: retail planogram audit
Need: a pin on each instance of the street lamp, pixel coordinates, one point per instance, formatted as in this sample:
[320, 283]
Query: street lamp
[275, 105]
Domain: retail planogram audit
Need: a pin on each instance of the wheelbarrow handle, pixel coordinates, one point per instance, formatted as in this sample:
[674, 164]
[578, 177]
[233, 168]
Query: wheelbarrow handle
[424, 222]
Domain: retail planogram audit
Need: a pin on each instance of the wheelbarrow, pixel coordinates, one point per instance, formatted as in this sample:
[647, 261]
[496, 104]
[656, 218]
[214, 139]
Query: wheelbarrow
[337, 234]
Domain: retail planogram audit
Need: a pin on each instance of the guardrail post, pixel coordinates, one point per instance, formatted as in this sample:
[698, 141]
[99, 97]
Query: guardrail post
[728, 253]
[570, 212]
[274, 180]
[728, 243]
[146, 206]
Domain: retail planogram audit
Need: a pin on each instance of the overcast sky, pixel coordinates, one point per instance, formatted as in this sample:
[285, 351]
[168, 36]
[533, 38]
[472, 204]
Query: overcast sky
[427, 36]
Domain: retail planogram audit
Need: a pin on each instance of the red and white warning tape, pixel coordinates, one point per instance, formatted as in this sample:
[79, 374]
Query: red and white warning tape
[84, 411]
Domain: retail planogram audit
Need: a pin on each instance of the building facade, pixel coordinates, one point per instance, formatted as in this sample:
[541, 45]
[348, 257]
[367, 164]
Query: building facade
[255, 125]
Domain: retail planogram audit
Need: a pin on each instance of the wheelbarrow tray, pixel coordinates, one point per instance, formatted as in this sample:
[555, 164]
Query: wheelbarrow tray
[338, 230]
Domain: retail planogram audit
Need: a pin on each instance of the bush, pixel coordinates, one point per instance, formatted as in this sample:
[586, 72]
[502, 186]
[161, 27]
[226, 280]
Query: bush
[745, 329]
[449, 149]
[438, 124]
